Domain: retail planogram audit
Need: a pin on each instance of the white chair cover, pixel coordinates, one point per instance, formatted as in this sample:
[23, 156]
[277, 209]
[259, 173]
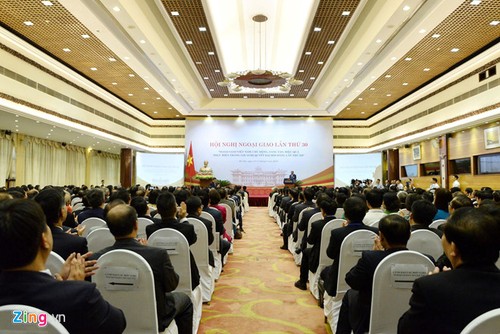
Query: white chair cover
[53, 326]
[228, 225]
[91, 224]
[300, 234]
[125, 293]
[324, 260]
[141, 226]
[392, 283]
[214, 247]
[488, 322]
[177, 247]
[270, 205]
[99, 238]
[339, 213]
[350, 252]
[437, 223]
[425, 242]
[314, 218]
[54, 263]
[200, 252]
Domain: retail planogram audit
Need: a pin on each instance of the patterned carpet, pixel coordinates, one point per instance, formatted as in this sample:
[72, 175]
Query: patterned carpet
[255, 293]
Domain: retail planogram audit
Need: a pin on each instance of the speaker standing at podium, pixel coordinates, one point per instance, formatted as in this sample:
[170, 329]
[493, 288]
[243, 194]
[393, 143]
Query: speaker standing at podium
[293, 177]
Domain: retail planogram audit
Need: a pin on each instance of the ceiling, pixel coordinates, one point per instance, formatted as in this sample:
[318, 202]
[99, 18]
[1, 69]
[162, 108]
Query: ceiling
[165, 57]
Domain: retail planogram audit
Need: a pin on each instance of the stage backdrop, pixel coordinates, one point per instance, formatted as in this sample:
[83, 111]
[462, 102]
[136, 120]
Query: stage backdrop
[261, 152]
[357, 166]
[159, 169]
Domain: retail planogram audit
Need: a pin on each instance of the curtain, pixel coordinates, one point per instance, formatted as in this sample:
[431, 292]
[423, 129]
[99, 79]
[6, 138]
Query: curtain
[50, 163]
[104, 166]
[6, 149]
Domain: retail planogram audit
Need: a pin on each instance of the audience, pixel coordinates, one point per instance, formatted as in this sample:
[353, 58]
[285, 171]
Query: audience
[95, 198]
[446, 302]
[422, 215]
[27, 240]
[122, 223]
[193, 208]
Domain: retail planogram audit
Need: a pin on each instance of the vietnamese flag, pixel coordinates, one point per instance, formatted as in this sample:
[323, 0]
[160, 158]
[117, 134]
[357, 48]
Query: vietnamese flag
[190, 170]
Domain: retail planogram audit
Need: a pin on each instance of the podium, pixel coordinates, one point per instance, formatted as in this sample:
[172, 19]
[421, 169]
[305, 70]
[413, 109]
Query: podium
[287, 181]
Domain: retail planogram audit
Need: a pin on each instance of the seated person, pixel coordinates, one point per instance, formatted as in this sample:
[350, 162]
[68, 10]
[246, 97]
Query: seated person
[394, 232]
[374, 202]
[446, 302]
[167, 208]
[27, 240]
[422, 215]
[53, 205]
[442, 198]
[193, 208]
[140, 205]
[354, 211]
[95, 198]
[310, 256]
[122, 223]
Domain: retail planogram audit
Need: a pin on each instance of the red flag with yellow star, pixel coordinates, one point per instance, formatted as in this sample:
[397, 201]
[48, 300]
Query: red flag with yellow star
[190, 171]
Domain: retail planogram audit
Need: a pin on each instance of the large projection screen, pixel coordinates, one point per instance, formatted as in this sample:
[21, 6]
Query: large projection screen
[261, 152]
[357, 166]
[159, 169]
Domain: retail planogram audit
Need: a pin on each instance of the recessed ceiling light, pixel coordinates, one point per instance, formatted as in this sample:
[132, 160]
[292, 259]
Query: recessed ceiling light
[308, 53]
[455, 50]
[170, 108]
[422, 31]
[93, 69]
[211, 53]
[494, 23]
[388, 76]
[116, 8]
[245, 97]
[217, 71]
[372, 88]
[312, 78]
[408, 58]
[292, 95]
[198, 63]
[317, 29]
[225, 95]
[436, 35]
[202, 28]
[173, 80]
[158, 98]
[301, 71]
[130, 94]
[205, 78]
[360, 98]
[38, 122]
[212, 90]
[177, 115]
[146, 88]
[389, 95]
[175, 13]
[189, 42]
[331, 42]
[405, 84]
[85, 36]
[320, 63]
[131, 75]
[406, 8]
[272, 97]
[346, 13]
[28, 23]
[475, 2]
[155, 112]
[362, 113]
[427, 69]
[111, 59]
[114, 83]
[345, 80]
[375, 103]
[360, 63]
[66, 50]
[47, 3]
[142, 41]
[143, 103]
[306, 90]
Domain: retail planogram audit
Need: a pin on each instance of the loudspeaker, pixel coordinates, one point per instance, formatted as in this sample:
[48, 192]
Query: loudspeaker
[63, 144]
[407, 145]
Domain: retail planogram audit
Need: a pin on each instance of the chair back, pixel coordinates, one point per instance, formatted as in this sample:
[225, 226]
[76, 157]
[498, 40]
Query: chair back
[100, 238]
[350, 251]
[324, 260]
[314, 218]
[141, 226]
[339, 213]
[214, 246]
[228, 224]
[374, 224]
[425, 242]
[54, 263]
[300, 234]
[177, 247]
[392, 283]
[157, 216]
[124, 278]
[91, 224]
[437, 223]
[37, 321]
[488, 322]
[200, 247]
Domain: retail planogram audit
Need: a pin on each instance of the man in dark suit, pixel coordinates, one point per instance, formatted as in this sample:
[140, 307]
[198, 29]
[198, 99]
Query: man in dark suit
[422, 214]
[394, 232]
[193, 208]
[292, 177]
[289, 208]
[167, 208]
[303, 223]
[354, 212]
[122, 223]
[306, 204]
[446, 302]
[95, 198]
[26, 245]
[54, 207]
[310, 256]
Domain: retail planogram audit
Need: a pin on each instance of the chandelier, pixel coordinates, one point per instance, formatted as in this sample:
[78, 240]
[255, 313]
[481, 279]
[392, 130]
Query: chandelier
[259, 81]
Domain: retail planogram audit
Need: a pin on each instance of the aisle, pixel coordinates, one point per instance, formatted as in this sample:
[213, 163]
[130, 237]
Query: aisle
[255, 293]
